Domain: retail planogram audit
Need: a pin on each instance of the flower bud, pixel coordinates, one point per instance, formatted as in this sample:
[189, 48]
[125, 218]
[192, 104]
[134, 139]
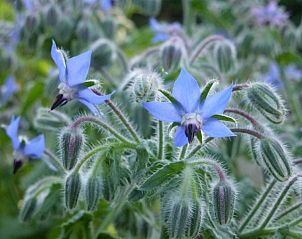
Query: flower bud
[109, 27]
[103, 53]
[148, 7]
[196, 219]
[267, 102]
[72, 140]
[144, 85]
[275, 158]
[225, 54]
[31, 23]
[28, 208]
[93, 191]
[84, 31]
[72, 190]
[171, 54]
[261, 47]
[64, 29]
[51, 120]
[223, 202]
[52, 16]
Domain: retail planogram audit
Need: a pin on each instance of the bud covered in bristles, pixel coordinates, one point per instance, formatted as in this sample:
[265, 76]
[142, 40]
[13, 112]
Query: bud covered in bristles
[225, 54]
[93, 191]
[223, 202]
[72, 190]
[52, 16]
[264, 98]
[72, 140]
[103, 53]
[148, 7]
[144, 85]
[28, 208]
[276, 159]
[171, 54]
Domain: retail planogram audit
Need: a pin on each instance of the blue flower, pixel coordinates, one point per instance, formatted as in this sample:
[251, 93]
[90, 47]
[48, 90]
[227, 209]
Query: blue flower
[22, 149]
[293, 73]
[273, 76]
[105, 4]
[191, 115]
[8, 89]
[72, 75]
[271, 14]
[163, 31]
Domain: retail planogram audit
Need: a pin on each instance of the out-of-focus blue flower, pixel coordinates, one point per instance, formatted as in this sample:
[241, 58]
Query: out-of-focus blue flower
[293, 73]
[106, 5]
[72, 75]
[28, 4]
[273, 76]
[23, 149]
[271, 14]
[163, 31]
[8, 89]
[192, 115]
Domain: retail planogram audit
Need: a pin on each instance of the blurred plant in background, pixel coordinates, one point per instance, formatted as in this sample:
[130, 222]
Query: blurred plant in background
[204, 70]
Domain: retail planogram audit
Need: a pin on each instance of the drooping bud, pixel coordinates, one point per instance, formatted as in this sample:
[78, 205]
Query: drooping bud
[275, 158]
[267, 102]
[52, 16]
[93, 191]
[148, 7]
[64, 29]
[223, 202]
[83, 31]
[171, 54]
[103, 53]
[28, 209]
[225, 54]
[31, 23]
[266, 47]
[72, 190]
[72, 140]
[196, 219]
[144, 85]
[109, 27]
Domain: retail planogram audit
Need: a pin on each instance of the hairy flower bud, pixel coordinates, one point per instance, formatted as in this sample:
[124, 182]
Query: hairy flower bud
[109, 27]
[267, 102]
[103, 53]
[31, 23]
[225, 54]
[52, 16]
[72, 190]
[171, 54]
[144, 85]
[28, 208]
[93, 191]
[148, 7]
[72, 140]
[223, 202]
[275, 158]
[64, 29]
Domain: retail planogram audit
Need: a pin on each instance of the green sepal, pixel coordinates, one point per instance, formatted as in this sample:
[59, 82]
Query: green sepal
[199, 137]
[171, 126]
[224, 118]
[169, 96]
[88, 83]
[206, 91]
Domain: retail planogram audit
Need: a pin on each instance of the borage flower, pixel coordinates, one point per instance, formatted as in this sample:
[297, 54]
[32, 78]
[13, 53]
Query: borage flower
[24, 149]
[72, 75]
[163, 31]
[191, 112]
[8, 89]
[292, 72]
[273, 76]
[105, 4]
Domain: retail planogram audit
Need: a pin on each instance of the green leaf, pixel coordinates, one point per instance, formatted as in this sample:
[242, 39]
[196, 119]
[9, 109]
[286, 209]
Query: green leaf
[163, 175]
[33, 94]
[224, 118]
[105, 235]
[206, 91]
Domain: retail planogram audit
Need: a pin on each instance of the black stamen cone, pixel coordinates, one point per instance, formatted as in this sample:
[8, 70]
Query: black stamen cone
[59, 101]
[191, 130]
[17, 164]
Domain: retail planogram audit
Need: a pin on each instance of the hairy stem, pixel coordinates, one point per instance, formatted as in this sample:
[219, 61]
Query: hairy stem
[123, 60]
[198, 147]
[57, 163]
[287, 211]
[243, 114]
[248, 131]
[182, 152]
[160, 141]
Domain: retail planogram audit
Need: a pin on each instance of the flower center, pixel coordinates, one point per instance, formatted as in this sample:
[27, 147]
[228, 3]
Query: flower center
[66, 91]
[192, 123]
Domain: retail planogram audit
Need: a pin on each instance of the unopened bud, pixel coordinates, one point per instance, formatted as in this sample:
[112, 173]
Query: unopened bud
[64, 29]
[275, 158]
[267, 102]
[28, 209]
[52, 16]
[264, 47]
[93, 191]
[72, 190]
[223, 202]
[31, 23]
[72, 140]
[225, 54]
[83, 31]
[196, 219]
[109, 27]
[171, 54]
[103, 53]
[148, 7]
[144, 85]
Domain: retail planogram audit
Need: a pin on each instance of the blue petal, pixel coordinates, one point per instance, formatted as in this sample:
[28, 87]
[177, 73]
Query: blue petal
[12, 132]
[163, 111]
[35, 147]
[154, 24]
[91, 97]
[9, 88]
[91, 107]
[59, 60]
[180, 138]
[215, 104]
[106, 5]
[186, 91]
[160, 37]
[77, 68]
[214, 128]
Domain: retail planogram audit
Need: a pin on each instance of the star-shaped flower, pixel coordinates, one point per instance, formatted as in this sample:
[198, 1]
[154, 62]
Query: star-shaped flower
[72, 75]
[105, 4]
[24, 149]
[273, 76]
[8, 89]
[191, 112]
[163, 31]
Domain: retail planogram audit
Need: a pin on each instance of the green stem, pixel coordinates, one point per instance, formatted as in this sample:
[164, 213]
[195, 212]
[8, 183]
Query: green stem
[257, 205]
[243, 114]
[182, 152]
[187, 15]
[123, 119]
[92, 119]
[248, 131]
[213, 163]
[123, 60]
[198, 147]
[160, 141]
